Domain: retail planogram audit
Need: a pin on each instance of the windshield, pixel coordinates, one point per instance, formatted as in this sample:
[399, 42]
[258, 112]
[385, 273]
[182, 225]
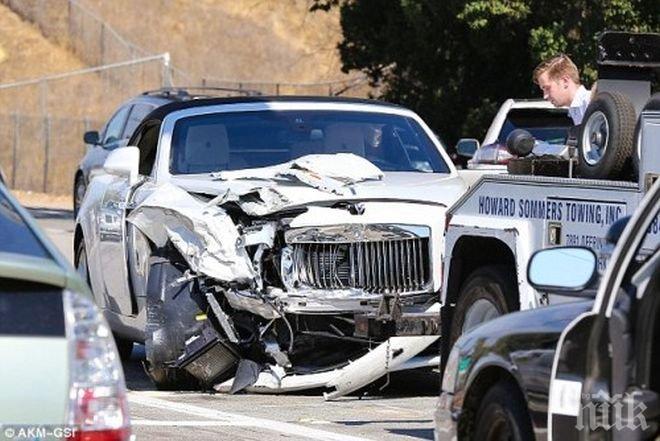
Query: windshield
[549, 125]
[235, 141]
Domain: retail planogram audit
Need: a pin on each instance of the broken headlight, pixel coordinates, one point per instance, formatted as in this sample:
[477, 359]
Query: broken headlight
[288, 269]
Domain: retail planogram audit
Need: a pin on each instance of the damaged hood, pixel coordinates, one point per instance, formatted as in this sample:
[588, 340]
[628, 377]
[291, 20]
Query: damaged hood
[329, 178]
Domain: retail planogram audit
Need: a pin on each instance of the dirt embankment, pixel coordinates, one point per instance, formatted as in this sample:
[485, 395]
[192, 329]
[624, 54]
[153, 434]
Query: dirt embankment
[26, 53]
[250, 40]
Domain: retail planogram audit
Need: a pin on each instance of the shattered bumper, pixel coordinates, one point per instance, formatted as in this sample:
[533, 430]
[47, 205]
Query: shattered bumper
[395, 354]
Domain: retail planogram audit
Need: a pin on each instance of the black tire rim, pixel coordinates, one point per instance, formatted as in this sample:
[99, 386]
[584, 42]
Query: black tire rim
[595, 137]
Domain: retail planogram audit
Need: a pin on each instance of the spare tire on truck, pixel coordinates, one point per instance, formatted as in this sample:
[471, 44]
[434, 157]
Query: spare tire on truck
[605, 143]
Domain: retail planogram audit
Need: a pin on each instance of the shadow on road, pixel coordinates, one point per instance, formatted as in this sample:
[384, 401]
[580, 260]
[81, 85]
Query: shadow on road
[51, 213]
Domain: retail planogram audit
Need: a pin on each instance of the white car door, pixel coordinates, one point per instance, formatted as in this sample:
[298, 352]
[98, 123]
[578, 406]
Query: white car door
[112, 246]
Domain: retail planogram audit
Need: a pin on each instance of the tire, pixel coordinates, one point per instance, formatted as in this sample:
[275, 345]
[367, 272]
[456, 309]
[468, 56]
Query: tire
[605, 143]
[166, 332]
[652, 104]
[124, 347]
[493, 284]
[503, 414]
[79, 189]
[80, 262]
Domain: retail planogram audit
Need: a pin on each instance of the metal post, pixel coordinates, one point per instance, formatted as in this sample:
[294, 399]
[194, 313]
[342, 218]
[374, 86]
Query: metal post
[277, 89]
[46, 152]
[43, 97]
[70, 22]
[17, 142]
[167, 73]
[102, 44]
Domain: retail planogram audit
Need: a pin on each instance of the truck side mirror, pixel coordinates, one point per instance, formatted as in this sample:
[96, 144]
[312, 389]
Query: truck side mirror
[467, 147]
[562, 270]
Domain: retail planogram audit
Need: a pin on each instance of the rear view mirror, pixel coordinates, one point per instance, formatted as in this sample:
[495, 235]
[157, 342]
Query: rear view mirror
[467, 147]
[92, 137]
[123, 162]
[562, 269]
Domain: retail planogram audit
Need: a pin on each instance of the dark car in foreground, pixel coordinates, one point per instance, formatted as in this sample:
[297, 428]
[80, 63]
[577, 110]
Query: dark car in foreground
[588, 369]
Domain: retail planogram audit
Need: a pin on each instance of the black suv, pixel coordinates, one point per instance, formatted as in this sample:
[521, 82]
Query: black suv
[119, 128]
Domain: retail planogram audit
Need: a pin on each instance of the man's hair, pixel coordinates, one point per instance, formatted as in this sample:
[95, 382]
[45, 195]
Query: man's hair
[557, 67]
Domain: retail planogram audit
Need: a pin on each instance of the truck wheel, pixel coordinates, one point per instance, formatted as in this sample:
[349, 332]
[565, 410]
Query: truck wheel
[652, 104]
[606, 139]
[503, 415]
[485, 295]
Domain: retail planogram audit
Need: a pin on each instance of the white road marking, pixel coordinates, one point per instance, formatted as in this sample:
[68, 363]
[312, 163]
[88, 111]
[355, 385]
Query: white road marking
[208, 423]
[234, 419]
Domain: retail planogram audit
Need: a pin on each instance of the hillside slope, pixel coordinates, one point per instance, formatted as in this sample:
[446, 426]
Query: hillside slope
[26, 53]
[249, 40]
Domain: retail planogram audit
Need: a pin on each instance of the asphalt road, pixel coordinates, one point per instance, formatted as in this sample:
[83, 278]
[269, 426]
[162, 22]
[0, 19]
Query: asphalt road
[403, 410]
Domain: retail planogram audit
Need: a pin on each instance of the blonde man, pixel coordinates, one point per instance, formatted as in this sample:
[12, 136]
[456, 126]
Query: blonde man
[559, 79]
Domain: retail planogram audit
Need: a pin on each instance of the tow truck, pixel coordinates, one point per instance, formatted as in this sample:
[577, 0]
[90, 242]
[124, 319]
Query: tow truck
[495, 227]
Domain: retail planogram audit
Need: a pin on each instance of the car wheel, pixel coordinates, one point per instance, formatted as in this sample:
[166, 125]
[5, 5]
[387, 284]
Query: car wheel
[80, 262]
[503, 415]
[124, 347]
[486, 294]
[79, 189]
[606, 139]
[169, 309]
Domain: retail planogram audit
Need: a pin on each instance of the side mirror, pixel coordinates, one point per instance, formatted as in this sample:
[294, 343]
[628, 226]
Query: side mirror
[520, 143]
[92, 137]
[563, 270]
[124, 162]
[467, 147]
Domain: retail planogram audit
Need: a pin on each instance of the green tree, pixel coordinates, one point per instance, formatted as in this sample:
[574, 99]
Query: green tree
[455, 61]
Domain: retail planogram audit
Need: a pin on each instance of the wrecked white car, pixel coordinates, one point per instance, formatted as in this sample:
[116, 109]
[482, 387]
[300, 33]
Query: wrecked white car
[272, 245]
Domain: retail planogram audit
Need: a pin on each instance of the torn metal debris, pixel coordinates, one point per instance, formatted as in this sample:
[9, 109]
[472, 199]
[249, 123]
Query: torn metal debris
[287, 302]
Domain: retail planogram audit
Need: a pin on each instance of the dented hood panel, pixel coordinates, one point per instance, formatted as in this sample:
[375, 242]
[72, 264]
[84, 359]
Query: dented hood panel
[397, 186]
[205, 236]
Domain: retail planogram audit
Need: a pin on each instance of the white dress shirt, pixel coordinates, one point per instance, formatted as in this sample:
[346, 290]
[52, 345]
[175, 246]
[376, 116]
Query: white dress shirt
[579, 105]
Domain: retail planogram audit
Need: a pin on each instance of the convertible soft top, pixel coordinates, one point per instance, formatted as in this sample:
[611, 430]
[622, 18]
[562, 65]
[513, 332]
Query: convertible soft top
[161, 112]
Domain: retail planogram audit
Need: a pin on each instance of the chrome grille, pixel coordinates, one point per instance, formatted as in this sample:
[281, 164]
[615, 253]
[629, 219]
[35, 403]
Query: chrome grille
[399, 265]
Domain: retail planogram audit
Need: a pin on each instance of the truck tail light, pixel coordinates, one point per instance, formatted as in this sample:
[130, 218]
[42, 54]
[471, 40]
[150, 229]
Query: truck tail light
[491, 154]
[98, 409]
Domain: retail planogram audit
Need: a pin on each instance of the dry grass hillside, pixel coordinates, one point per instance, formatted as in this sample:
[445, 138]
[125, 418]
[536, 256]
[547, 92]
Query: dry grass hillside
[25, 53]
[252, 40]
[41, 125]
